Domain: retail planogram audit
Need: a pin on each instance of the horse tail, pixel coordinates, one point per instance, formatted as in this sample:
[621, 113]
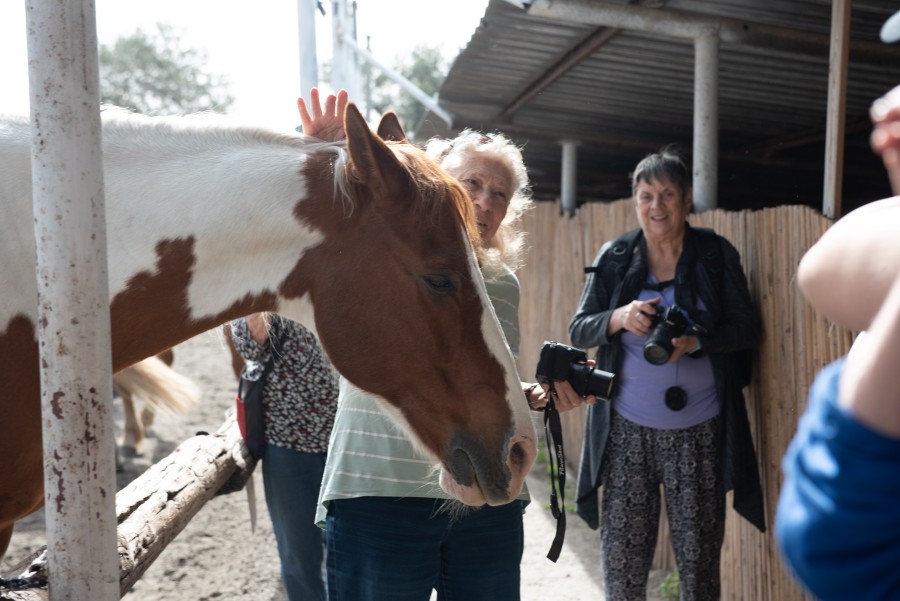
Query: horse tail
[158, 385]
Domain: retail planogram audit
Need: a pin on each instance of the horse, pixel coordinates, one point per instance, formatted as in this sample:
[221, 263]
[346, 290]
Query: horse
[209, 220]
[154, 382]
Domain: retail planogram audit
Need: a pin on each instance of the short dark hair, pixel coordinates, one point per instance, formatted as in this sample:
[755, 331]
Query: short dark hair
[666, 165]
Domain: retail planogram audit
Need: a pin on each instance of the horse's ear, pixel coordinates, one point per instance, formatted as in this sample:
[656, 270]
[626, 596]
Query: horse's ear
[390, 129]
[373, 162]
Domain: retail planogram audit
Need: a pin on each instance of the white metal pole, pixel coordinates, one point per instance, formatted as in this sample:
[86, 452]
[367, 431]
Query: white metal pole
[309, 66]
[344, 73]
[73, 296]
[706, 121]
[430, 102]
[568, 200]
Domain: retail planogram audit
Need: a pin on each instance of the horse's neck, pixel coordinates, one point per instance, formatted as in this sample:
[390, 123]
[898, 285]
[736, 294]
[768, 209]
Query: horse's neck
[201, 228]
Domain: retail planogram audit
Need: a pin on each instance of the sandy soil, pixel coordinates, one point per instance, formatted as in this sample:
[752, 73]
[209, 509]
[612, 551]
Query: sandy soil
[218, 557]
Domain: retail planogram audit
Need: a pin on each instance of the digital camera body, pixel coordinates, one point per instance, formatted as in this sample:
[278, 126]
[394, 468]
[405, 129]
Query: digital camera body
[559, 362]
[668, 323]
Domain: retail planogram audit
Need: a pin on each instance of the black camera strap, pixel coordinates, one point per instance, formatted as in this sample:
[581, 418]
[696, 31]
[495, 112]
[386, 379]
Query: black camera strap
[553, 433]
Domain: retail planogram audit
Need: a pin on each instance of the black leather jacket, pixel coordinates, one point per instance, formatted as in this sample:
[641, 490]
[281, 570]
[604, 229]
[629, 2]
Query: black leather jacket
[732, 325]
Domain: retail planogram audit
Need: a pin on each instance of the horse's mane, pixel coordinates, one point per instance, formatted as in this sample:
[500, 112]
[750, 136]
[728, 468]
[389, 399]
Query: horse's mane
[124, 129]
[121, 126]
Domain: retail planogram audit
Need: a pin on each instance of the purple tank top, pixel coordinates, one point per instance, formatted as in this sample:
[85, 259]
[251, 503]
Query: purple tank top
[642, 386]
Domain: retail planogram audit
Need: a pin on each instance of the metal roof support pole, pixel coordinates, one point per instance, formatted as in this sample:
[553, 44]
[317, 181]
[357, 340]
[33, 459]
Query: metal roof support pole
[837, 107]
[344, 68]
[73, 301]
[306, 27]
[706, 121]
[427, 101]
[568, 202]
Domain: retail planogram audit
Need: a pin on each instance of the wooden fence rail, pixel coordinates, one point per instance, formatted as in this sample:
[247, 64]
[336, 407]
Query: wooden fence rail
[796, 343]
[155, 507]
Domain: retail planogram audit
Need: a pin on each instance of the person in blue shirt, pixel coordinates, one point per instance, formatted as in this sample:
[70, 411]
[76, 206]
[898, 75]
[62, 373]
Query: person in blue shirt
[838, 518]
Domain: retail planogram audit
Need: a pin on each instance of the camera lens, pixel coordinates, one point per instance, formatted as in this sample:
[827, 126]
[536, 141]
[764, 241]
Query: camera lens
[669, 323]
[656, 353]
[586, 380]
[560, 362]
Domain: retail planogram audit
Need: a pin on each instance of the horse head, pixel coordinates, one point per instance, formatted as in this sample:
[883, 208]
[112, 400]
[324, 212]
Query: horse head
[403, 313]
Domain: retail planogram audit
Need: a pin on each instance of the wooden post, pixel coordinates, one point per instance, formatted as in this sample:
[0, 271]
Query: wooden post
[837, 107]
[73, 296]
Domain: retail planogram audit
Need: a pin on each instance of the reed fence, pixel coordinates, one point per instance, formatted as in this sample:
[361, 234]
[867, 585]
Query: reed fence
[796, 343]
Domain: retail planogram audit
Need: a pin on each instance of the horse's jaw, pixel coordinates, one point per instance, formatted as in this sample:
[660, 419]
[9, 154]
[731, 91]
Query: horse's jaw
[467, 472]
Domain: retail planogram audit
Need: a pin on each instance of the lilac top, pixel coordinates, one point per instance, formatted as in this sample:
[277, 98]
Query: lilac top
[642, 385]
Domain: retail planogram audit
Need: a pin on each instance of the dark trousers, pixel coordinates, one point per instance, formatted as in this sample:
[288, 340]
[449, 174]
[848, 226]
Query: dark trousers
[399, 549]
[685, 463]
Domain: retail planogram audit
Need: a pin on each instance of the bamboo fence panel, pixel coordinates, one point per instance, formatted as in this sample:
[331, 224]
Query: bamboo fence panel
[795, 344]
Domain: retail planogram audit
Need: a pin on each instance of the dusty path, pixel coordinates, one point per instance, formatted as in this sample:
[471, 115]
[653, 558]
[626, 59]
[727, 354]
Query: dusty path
[217, 557]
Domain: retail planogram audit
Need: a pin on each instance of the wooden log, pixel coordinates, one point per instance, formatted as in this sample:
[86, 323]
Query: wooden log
[155, 507]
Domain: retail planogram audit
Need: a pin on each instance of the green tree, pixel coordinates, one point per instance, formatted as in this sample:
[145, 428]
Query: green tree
[152, 74]
[426, 67]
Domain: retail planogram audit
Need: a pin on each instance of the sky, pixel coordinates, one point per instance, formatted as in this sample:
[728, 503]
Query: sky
[257, 50]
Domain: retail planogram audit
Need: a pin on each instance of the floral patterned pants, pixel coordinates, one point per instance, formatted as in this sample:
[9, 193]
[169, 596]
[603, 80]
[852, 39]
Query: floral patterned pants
[685, 462]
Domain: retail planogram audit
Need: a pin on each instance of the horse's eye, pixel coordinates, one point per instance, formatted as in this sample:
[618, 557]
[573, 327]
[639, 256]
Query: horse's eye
[440, 283]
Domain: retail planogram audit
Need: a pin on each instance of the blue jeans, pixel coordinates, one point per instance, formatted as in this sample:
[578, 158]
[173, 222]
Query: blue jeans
[291, 479]
[398, 549]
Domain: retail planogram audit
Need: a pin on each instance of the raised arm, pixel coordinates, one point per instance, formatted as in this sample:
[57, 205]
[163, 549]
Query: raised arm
[325, 123]
[846, 275]
[870, 386]
[885, 114]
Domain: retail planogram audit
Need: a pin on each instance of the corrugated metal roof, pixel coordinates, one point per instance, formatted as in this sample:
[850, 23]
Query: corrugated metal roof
[623, 93]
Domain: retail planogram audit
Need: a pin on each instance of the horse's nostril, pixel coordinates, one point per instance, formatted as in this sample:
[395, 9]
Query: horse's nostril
[461, 467]
[519, 457]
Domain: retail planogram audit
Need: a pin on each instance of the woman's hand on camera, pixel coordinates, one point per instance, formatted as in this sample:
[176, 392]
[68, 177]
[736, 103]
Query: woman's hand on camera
[564, 397]
[682, 346]
[636, 317]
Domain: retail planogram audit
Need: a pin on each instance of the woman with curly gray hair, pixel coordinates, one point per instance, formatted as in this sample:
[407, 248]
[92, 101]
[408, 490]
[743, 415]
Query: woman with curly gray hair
[392, 533]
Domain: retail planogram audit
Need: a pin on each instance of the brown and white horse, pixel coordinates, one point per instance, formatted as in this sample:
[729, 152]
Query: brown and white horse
[208, 221]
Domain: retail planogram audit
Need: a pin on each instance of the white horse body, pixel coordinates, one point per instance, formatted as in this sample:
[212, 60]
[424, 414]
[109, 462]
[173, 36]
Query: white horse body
[155, 191]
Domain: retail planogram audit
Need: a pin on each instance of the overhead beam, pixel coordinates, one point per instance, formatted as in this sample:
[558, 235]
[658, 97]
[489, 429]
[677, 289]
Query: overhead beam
[571, 59]
[686, 25]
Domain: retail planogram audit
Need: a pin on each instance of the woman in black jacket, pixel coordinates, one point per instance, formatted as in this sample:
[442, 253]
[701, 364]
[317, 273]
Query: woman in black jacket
[669, 309]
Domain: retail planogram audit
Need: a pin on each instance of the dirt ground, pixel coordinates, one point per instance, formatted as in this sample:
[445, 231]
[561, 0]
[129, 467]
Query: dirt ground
[218, 557]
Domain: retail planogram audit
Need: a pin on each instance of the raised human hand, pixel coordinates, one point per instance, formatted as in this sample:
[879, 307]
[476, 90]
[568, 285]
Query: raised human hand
[885, 139]
[328, 123]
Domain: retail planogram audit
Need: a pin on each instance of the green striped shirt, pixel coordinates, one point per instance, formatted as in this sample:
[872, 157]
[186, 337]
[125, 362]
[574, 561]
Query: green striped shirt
[370, 456]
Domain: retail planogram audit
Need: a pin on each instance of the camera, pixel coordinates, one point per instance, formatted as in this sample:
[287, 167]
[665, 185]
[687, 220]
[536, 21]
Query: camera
[559, 362]
[668, 323]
